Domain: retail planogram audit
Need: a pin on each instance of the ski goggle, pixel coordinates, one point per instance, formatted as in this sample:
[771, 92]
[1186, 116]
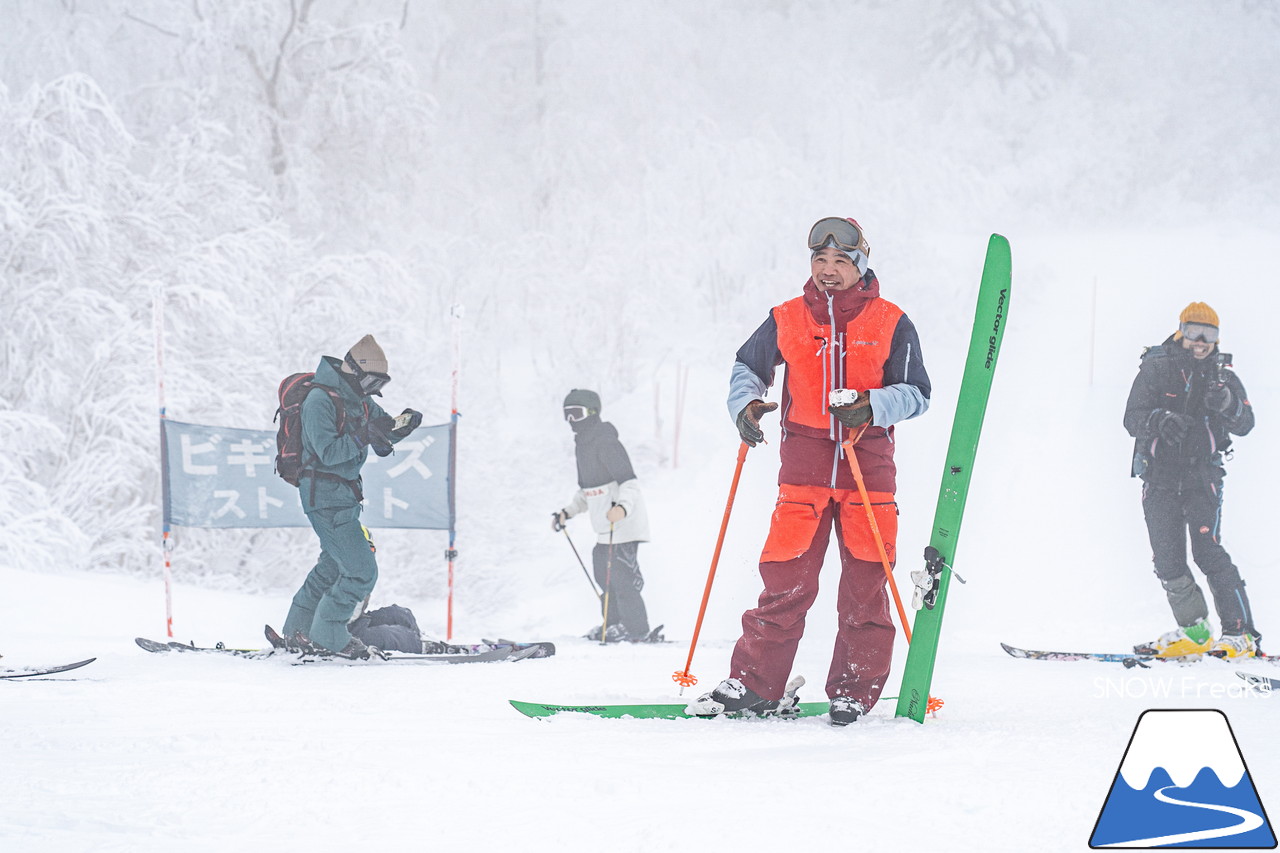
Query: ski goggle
[841, 233]
[1199, 332]
[371, 382]
[576, 413]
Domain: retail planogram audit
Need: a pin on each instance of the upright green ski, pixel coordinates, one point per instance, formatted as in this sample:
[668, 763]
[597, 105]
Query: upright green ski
[971, 406]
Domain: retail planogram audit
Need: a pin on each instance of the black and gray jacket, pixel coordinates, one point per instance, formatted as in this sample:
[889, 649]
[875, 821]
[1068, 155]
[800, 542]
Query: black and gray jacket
[605, 478]
[1170, 379]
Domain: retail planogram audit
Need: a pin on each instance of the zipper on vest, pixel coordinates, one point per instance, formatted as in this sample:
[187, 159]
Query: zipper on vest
[829, 378]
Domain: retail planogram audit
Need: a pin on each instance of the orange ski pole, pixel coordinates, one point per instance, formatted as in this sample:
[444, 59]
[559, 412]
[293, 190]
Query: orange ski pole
[684, 678]
[875, 528]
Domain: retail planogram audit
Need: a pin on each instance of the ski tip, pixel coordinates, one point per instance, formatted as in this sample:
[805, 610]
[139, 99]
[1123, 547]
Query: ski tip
[1013, 651]
[151, 645]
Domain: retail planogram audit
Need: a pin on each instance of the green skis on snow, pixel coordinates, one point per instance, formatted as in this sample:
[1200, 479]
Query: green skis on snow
[971, 406]
[649, 712]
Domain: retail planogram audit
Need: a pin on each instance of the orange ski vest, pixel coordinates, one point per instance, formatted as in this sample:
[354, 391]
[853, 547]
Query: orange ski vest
[819, 362]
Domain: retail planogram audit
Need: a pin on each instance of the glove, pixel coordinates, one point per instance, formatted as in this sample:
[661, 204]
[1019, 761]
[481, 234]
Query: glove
[1218, 399]
[376, 434]
[615, 514]
[1173, 426]
[415, 421]
[856, 414]
[749, 421]
[558, 519]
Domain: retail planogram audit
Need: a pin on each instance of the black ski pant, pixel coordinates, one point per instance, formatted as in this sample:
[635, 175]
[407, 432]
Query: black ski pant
[617, 571]
[1194, 507]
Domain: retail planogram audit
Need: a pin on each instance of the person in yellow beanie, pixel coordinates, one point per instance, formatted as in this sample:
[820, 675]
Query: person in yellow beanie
[1183, 408]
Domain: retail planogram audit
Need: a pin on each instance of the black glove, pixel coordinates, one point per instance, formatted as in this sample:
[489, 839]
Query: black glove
[749, 421]
[376, 434]
[855, 414]
[1173, 426]
[415, 421]
[1218, 399]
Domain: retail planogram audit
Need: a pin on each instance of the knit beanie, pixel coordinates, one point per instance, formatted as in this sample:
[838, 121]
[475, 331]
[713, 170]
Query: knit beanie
[1196, 312]
[368, 355]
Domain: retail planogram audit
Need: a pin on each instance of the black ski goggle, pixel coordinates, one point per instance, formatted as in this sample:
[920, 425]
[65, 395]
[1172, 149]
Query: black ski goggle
[841, 233]
[574, 414]
[373, 383]
[1199, 333]
[370, 381]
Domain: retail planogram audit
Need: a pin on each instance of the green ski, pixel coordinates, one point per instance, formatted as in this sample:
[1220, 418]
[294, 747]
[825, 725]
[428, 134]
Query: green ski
[971, 406]
[656, 712]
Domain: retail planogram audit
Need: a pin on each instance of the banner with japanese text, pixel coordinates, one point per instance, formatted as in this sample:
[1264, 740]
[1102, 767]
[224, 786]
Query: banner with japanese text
[225, 477]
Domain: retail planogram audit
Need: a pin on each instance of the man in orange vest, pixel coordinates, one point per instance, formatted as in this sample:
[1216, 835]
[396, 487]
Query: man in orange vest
[839, 335]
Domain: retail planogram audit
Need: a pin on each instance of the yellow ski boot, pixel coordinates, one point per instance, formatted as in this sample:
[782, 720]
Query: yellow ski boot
[1190, 640]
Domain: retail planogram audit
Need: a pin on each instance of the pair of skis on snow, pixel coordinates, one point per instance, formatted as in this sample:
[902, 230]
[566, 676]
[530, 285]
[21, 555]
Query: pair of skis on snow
[1131, 659]
[1128, 659]
[487, 652]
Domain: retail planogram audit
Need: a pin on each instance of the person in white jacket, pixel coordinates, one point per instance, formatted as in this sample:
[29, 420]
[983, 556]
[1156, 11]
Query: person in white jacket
[609, 493]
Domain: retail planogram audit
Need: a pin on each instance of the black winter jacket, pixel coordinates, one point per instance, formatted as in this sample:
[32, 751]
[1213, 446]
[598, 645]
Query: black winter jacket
[1170, 379]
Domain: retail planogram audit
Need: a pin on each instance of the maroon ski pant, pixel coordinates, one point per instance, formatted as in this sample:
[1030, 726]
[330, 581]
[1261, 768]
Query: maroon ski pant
[771, 631]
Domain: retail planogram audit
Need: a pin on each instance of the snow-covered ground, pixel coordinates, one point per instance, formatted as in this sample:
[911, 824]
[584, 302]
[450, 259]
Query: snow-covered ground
[140, 752]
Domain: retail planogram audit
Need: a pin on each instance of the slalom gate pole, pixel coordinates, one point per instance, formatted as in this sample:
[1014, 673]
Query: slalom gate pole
[875, 528]
[685, 678]
[451, 553]
[569, 539]
[166, 544]
[608, 582]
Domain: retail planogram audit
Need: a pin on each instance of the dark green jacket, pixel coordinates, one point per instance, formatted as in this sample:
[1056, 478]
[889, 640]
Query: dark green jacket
[326, 450]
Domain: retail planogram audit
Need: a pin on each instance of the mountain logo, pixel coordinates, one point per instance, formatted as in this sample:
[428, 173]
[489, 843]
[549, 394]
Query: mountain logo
[1183, 783]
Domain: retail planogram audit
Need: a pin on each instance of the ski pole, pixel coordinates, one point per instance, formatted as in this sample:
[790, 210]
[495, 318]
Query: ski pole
[684, 678]
[567, 537]
[608, 582]
[875, 529]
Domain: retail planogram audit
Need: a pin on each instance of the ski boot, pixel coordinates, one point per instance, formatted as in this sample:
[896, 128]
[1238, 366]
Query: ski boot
[1235, 647]
[1181, 642]
[615, 633]
[733, 698]
[844, 711]
[355, 649]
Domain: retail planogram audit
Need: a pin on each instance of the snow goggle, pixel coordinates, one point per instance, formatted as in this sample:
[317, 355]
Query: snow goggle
[841, 233]
[576, 413]
[1199, 332]
[371, 382]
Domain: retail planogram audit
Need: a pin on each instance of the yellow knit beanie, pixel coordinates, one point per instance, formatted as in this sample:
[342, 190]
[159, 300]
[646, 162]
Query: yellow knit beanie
[1196, 312]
